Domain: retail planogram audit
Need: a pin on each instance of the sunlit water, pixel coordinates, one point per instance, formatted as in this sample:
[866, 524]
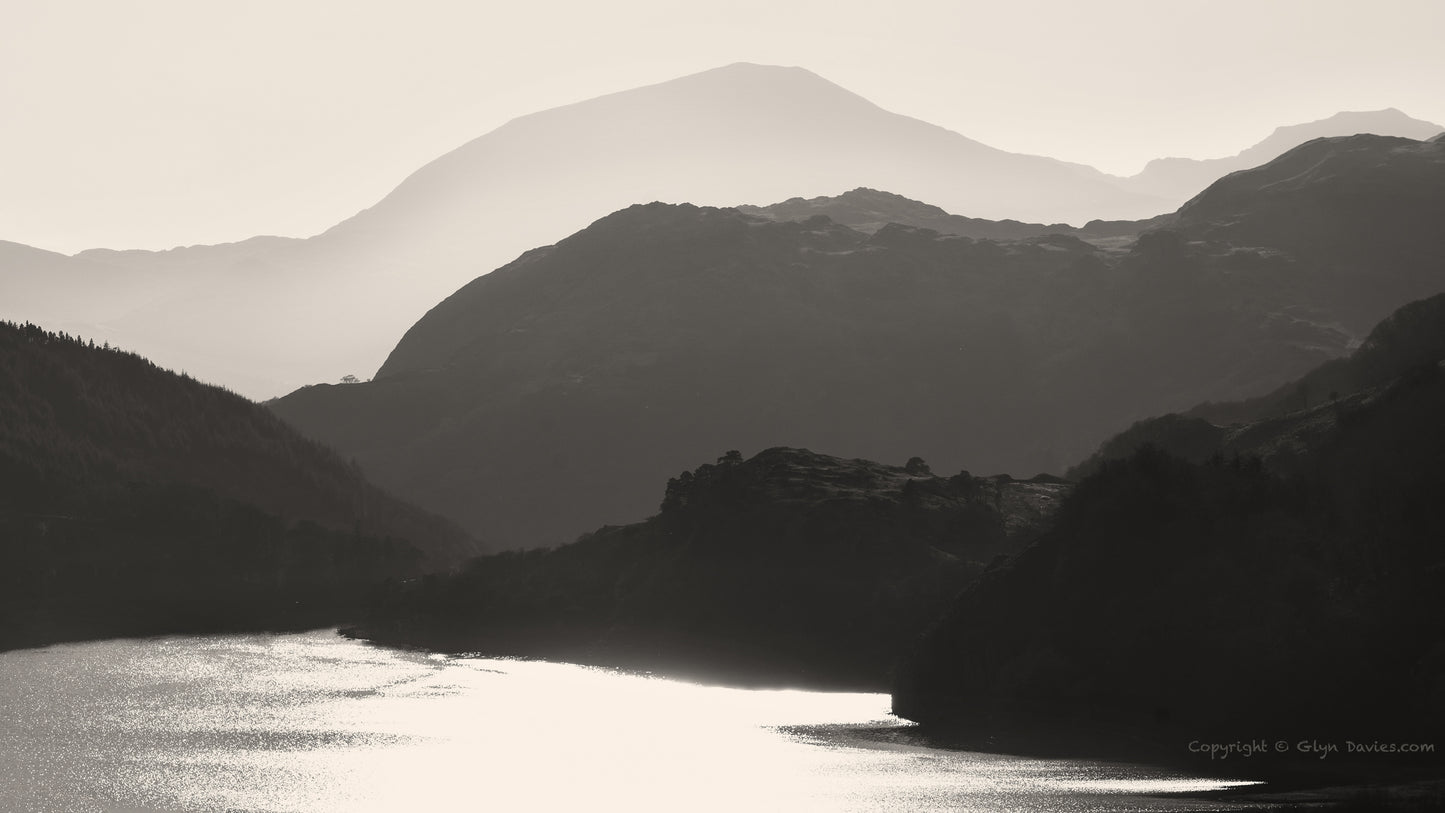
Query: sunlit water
[313, 723]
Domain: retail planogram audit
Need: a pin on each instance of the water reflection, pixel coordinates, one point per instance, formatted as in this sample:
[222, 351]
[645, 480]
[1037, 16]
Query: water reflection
[313, 722]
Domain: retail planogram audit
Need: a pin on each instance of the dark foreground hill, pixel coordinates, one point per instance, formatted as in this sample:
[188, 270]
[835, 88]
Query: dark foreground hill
[133, 500]
[790, 568]
[551, 395]
[1220, 601]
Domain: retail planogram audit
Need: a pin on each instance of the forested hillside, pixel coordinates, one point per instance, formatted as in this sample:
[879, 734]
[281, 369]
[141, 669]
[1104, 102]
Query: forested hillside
[136, 500]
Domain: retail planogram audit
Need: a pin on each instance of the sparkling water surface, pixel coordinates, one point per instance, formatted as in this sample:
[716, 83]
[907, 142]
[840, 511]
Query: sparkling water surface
[313, 723]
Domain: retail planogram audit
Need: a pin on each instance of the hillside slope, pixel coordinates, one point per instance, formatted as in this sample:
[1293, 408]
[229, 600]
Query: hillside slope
[135, 500]
[1281, 426]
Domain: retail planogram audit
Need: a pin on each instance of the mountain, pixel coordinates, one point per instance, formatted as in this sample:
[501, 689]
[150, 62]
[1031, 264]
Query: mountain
[551, 395]
[1178, 179]
[545, 398]
[267, 315]
[136, 501]
[789, 568]
[1177, 601]
[1316, 201]
[728, 136]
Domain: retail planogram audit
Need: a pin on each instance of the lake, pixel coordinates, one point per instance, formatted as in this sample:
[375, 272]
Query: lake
[315, 722]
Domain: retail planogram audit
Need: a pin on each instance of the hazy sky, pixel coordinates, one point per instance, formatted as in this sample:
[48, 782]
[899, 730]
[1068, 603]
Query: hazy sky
[154, 123]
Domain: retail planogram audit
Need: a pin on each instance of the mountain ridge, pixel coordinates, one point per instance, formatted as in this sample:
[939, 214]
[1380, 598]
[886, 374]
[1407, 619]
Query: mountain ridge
[662, 331]
[869, 210]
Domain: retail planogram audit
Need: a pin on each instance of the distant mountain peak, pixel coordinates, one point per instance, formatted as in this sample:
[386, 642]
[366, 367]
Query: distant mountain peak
[746, 67]
[744, 84]
[1181, 177]
[1389, 121]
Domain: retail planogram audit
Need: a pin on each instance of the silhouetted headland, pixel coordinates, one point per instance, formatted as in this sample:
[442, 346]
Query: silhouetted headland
[790, 568]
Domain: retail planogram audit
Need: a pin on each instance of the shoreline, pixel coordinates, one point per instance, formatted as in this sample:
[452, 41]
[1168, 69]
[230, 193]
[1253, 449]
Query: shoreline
[1286, 780]
[667, 658]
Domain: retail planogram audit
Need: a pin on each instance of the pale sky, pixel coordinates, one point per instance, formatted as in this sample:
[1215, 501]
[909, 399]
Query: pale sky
[155, 123]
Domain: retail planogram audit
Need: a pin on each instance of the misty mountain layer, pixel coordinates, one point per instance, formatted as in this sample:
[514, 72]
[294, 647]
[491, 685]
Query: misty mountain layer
[266, 315]
[241, 313]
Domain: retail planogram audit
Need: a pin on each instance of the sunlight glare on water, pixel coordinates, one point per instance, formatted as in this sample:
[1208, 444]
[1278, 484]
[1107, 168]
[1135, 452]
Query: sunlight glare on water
[313, 722]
